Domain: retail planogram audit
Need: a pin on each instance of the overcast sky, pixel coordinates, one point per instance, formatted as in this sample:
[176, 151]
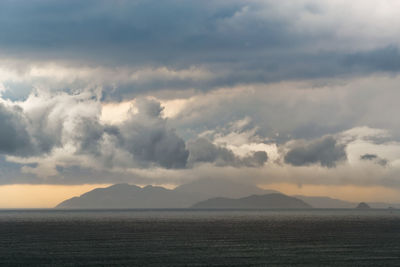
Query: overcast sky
[302, 93]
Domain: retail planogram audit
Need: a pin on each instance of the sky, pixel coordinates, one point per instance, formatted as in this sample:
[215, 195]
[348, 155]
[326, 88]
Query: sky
[299, 96]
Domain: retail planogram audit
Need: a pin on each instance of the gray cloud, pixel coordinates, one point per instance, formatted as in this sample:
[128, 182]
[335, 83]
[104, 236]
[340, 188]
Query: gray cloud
[325, 151]
[41, 125]
[145, 136]
[203, 151]
[14, 137]
[89, 134]
[239, 41]
[256, 159]
[374, 158]
[298, 110]
[106, 32]
[368, 157]
[64, 123]
[148, 139]
[141, 141]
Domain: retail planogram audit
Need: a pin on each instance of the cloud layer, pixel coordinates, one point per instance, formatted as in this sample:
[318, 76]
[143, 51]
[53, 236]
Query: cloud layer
[148, 45]
[161, 92]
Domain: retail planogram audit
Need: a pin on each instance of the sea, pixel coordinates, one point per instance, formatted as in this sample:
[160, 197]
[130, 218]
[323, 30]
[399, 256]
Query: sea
[200, 237]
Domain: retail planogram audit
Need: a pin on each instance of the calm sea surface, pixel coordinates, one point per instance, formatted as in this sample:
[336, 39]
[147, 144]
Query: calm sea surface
[200, 238]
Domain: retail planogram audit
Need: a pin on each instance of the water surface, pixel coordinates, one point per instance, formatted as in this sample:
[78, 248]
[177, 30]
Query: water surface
[200, 238]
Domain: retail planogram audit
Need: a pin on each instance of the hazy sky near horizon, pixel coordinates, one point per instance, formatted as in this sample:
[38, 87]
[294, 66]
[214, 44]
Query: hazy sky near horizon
[297, 93]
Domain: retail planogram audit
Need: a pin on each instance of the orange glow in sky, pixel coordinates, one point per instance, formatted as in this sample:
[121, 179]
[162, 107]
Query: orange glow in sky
[48, 196]
[40, 196]
[345, 192]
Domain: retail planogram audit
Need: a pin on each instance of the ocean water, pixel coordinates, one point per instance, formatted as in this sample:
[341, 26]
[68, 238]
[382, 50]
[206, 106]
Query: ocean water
[200, 238]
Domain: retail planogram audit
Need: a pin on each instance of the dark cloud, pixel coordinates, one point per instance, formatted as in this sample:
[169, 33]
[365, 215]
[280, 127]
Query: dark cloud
[149, 32]
[142, 141]
[46, 130]
[368, 157]
[14, 137]
[203, 151]
[89, 134]
[147, 137]
[39, 131]
[256, 159]
[10, 172]
[383, 59]
[232, 39]
[374, 158]
[325, 151]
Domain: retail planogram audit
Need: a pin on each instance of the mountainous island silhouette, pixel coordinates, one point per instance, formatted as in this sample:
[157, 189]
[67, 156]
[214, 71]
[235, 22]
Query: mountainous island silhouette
[203, 194]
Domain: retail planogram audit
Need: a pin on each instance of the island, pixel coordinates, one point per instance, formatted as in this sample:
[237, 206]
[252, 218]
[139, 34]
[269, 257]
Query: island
[268, 201]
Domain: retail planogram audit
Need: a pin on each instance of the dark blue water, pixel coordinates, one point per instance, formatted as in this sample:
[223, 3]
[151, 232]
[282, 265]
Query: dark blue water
[200, 238]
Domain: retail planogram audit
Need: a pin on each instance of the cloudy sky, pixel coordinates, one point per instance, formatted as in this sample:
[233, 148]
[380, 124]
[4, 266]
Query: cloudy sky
[300, 96]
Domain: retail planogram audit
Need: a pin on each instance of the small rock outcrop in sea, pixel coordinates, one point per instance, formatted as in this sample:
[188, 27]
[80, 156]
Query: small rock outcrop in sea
[363, 206]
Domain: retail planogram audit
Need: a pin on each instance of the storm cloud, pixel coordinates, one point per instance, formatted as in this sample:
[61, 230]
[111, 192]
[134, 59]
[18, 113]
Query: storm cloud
[203, 45]
[14, 136]
[145, 137]
[374, 158]
[148, 139]
[325, 151]
[203, 151]
[60, 124]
